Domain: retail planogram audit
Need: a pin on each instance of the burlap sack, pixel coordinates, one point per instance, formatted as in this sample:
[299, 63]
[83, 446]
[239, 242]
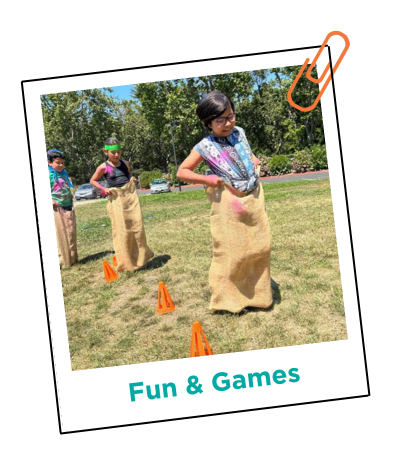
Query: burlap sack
[240, 268]
[129, 237]
[66, 237]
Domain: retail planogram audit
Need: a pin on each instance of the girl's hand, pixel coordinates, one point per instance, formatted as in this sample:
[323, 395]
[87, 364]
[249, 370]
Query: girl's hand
[107, 191]
[213, 181]
[55, 204]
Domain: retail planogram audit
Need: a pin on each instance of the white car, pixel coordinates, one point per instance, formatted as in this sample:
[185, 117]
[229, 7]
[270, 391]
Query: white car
[160, 185]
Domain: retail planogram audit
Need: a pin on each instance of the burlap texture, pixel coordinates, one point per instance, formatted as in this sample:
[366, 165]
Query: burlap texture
[130, 244]
[66, 237]
[240, 268]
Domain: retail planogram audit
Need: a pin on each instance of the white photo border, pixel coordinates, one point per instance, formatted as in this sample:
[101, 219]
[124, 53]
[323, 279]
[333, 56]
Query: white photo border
[99, 398]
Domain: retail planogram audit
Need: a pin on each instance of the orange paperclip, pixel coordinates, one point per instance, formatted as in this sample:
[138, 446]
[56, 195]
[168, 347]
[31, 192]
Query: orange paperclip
[318, 80]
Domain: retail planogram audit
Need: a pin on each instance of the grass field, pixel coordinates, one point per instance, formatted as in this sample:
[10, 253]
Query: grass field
[115, 324]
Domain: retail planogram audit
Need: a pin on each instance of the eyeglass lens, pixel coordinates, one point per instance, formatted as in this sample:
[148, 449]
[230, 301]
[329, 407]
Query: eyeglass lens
[222, 120]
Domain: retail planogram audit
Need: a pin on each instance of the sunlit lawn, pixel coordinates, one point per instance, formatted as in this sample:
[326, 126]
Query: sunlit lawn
[115, 324]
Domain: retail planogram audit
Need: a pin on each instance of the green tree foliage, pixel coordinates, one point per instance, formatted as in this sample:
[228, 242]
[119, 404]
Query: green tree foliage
[79, 122]
[307, 128]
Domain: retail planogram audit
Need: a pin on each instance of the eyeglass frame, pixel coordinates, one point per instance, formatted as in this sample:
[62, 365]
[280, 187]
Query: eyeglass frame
[226, 119]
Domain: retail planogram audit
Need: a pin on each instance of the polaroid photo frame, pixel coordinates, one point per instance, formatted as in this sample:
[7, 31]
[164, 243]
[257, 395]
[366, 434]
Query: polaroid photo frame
[102, 398]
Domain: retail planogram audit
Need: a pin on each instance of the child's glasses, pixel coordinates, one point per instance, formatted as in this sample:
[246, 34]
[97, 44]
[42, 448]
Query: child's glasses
[221, 121]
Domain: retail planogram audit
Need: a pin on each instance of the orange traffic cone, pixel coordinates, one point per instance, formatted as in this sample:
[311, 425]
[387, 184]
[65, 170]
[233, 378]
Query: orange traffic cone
[109, 272]
[196, 346]
[164, 301]
[114, 262]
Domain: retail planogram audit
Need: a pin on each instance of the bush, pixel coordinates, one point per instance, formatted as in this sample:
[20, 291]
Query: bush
[301, 161]
[319, 160]
[264, 166]
[279, 165]
[147, 177]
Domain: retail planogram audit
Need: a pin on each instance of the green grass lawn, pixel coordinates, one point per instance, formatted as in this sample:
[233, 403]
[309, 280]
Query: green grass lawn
[115, 324]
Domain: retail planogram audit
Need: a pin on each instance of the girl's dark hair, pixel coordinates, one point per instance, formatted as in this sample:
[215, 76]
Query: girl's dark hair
[53, 154]
[212, 106]
[112, 141]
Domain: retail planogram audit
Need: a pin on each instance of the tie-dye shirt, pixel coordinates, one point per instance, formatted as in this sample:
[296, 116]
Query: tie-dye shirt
[60, 188]
[230, 159]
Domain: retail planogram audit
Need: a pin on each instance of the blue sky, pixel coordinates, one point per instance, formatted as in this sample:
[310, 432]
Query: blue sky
[122, 92]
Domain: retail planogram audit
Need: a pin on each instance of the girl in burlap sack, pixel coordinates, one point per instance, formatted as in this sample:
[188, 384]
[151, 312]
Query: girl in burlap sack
[129, 237]
[240, 269]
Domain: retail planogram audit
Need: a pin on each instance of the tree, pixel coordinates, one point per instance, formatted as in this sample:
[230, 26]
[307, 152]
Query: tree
[78, 123]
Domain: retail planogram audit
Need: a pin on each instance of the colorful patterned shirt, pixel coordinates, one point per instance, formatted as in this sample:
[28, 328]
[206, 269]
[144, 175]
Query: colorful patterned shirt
[60, 187]
[230, 159]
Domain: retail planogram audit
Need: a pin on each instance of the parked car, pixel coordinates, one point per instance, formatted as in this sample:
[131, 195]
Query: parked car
[160, 185]
[87, 191]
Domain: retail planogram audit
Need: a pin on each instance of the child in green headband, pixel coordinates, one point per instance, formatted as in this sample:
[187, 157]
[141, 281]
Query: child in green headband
[115, 170]
[123, 206]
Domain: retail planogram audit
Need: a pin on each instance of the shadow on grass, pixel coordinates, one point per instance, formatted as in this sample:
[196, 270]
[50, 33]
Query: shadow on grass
[96, 256]
[155, 263]
[276, 299]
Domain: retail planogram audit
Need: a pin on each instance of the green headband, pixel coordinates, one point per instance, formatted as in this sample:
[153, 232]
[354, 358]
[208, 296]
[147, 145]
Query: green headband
[112, 147]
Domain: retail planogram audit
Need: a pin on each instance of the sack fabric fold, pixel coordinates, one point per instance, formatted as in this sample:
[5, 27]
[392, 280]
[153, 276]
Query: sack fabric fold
[129, 237]
[66, 237]
[240, 269]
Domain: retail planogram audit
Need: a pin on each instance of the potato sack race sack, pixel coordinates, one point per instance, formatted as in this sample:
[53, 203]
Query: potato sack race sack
[66, 237]
[129, 237]
[240, 268]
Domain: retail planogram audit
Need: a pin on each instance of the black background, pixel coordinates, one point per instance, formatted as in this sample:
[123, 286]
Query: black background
[104, 52]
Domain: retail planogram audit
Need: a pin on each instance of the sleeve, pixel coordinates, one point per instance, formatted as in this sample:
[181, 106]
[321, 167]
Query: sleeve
[200, 148]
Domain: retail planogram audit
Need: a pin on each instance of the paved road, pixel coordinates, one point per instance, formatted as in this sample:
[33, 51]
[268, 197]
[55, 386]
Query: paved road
[268, 180]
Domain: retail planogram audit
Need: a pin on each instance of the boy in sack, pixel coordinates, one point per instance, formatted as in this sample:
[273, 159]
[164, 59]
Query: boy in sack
[64, 214]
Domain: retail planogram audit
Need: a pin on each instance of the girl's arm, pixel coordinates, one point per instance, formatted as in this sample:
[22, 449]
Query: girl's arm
[100, 171]
[186, 171]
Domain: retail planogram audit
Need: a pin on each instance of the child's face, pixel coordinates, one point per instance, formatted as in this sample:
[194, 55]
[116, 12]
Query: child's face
[114, 156]
[57, 164]
[223, 130]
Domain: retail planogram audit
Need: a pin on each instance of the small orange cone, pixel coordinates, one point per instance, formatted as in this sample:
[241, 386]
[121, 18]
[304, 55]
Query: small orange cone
[164, 301]
[196, 346]
[109, 272]
[114, 262]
